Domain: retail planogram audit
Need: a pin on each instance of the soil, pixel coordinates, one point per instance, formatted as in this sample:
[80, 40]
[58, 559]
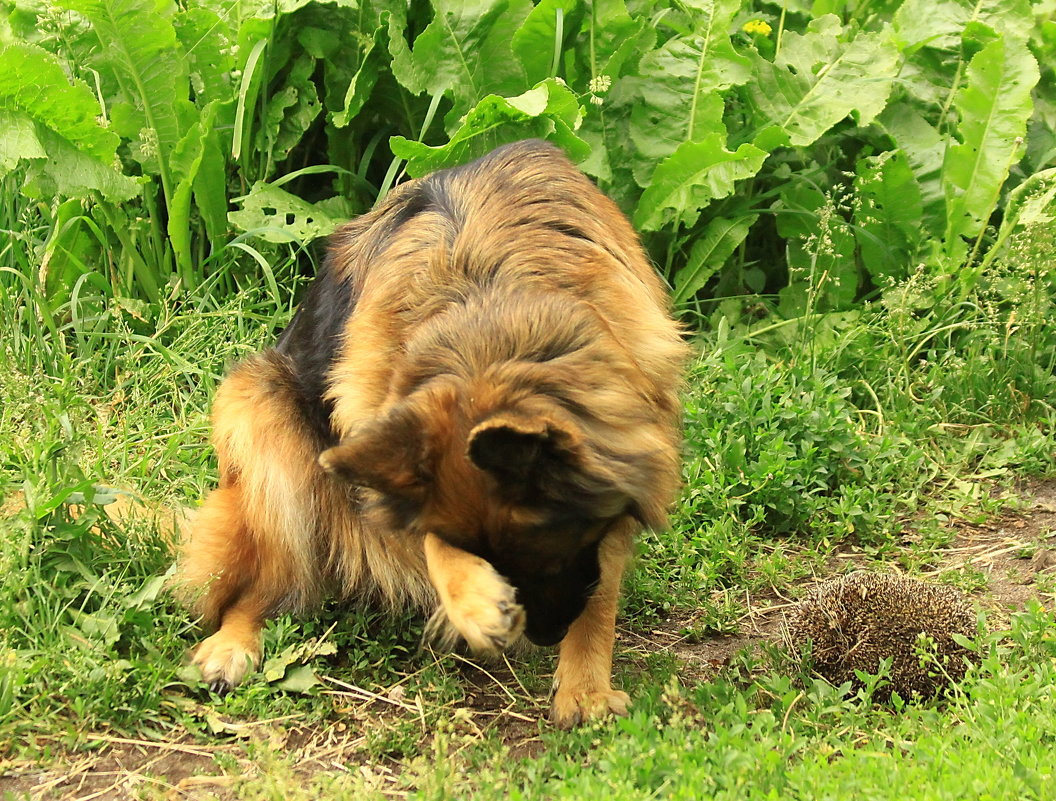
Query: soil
[1012, 559]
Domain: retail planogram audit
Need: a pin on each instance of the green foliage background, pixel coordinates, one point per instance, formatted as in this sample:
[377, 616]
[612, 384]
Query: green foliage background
[156, 142]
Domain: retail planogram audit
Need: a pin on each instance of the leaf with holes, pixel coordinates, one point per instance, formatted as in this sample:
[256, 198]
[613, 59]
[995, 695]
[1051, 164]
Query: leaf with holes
[276, 216]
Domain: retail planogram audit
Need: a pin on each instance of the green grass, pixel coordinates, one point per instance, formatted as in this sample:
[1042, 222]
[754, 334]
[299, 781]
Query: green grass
[877, 368]
[867, 437]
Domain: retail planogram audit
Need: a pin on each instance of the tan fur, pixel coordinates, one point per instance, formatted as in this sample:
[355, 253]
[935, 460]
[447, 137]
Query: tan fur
[477, 601]
[582, 687]
[435, 367]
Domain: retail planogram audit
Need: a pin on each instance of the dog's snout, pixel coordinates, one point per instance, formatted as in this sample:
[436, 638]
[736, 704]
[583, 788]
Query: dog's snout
[546, 636]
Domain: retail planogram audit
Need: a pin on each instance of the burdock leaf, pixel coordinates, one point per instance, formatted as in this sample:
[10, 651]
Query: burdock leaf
[939, 23]
[33, 84]
[994, 107]
[141, 51]
[924, 148]
[887, 217]
[464, 51]
[69, 172]
[18, 140]
[549, 110]
[714, 245]
[676, 89]
[694, 175]
[818, 79]
[534, 41]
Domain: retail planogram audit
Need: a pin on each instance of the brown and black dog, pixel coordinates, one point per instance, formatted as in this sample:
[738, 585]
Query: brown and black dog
[474, 410]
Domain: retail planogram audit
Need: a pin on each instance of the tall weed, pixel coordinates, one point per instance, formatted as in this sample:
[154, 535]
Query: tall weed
[154, 134]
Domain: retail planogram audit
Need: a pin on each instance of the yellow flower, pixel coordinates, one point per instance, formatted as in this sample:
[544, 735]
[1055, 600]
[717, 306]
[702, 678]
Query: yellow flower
[757, 26]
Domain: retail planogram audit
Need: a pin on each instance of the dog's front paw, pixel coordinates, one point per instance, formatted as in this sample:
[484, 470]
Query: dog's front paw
[224, 659]
[572, 707]
[483, 609]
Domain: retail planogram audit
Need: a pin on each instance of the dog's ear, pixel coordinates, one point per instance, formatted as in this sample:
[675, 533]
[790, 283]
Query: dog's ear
[515, 446]
[388, 454]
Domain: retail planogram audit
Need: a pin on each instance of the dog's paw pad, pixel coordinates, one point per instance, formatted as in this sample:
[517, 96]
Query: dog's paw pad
[573, 708]
[485, 611]
[224, 660]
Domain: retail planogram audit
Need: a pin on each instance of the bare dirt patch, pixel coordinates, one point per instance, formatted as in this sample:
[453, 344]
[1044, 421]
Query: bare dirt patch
[1007, 562]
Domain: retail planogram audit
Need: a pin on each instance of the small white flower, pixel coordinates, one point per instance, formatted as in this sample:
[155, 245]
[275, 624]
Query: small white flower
[148, 142]
[600, 83]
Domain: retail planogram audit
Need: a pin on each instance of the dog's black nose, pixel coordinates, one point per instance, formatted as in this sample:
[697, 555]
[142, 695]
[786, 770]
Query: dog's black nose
[546, 637]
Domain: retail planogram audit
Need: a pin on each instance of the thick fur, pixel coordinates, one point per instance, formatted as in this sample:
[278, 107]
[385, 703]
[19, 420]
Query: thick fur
[473, 410]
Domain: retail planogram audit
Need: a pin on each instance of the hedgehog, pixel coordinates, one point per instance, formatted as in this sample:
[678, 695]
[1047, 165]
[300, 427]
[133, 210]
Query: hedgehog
[855, 621]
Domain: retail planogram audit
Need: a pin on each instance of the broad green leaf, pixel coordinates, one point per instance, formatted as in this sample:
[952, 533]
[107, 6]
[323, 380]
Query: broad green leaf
[97, 626]
[404, 70]
[153, 586]
[34, 84]
[465, 50]
[277, 216]
[994, 107]
[677, 87]
[186, 164]
[939, 23]
[290, 111]
[140, 49]
[275, 667]
[69, 172]
[18, 140]
[819, 249]
[887, 215]
[533, 44]
[713, 246]
[690, 178]
[818, 79]
[548, 110]
[206, 38]
[610, 44]
[299, 679]
[210, 185]
[618, 38]
[924, 149]
[362, 81]
[1032, 203]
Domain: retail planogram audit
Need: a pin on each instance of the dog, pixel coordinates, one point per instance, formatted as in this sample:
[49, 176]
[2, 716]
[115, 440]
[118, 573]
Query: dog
[474, 410]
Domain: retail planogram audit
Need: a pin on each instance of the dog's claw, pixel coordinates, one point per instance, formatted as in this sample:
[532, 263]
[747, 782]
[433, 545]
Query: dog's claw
[567, 722]
[219, 687]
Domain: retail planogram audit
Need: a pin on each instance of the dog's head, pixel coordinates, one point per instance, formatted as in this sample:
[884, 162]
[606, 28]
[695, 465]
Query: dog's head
[527, 485]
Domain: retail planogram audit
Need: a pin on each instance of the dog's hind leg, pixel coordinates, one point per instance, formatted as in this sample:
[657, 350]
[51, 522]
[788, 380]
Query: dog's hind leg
[583, 682]
[252, 548]
[219, 577]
